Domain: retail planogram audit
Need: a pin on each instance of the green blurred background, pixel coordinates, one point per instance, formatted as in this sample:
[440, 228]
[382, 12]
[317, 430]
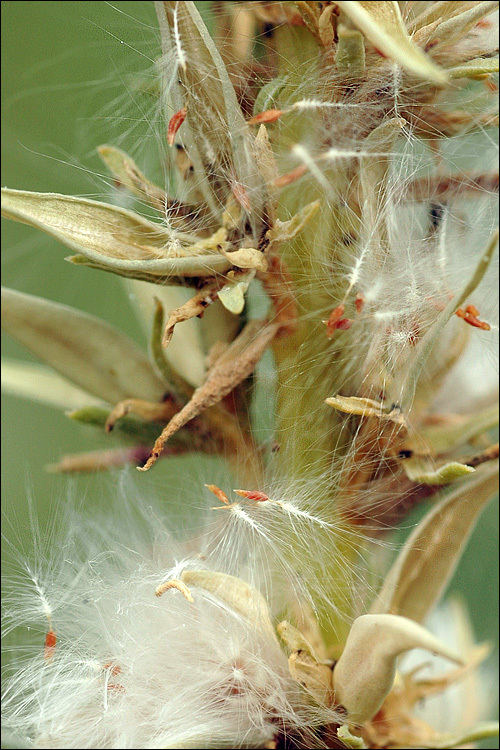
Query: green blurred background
[70, 72]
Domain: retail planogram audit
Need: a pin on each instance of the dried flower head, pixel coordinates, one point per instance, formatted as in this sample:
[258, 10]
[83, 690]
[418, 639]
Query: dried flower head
[315, 225]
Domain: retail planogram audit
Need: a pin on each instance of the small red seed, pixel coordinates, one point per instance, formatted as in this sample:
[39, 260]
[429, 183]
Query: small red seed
[289, 177]
[219, 494]
[174, 124]
[241, 196]
[471, 310]
[259, 497]
[50, 645]
[336, 322]
[359, 302]
[335, 315]
[344, 324]
[470, 316]
[270, 115]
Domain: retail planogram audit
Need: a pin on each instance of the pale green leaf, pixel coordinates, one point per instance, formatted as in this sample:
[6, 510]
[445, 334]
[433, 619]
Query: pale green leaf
[39, 383]
[350, 54]
[171, 376]
[364, 674]
[113, 237]
[128, 174]
[465, 738]
[382, 24]
[185, 353]
[427, 561]
[477, 69]
[460, 430]
[457, 26]
[127, 427]
[268, 95]
[232, 295]
[178, 271]
[422, 470]
[350, 740]
[443, 9]
[89, 352]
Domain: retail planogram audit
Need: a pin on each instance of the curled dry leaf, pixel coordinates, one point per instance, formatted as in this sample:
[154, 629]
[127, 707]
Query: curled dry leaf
[234, 366]
[382, 24]
[418, 689]
[174, 584]
[190, 309]
[89, 352]
[364, 674]
[282, 231]
[294, 639]
[314, 675]
[427, 561]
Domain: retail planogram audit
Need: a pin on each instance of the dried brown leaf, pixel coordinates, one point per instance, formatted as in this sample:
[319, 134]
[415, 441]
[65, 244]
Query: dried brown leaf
[230, 370]
[190, 309]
